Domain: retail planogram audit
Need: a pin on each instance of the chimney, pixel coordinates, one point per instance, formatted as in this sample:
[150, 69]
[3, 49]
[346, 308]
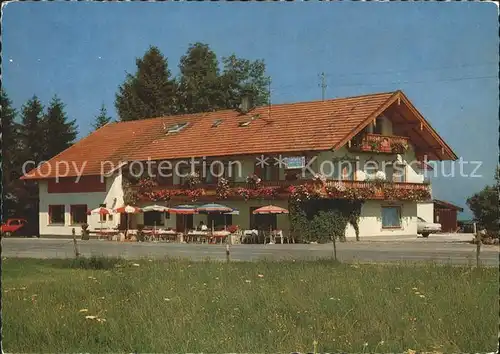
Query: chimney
[246, 104]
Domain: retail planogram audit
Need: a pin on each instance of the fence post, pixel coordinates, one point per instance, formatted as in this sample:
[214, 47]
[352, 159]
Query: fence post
[75, 246]
[334, 248]
[228, 252]
[478, 245]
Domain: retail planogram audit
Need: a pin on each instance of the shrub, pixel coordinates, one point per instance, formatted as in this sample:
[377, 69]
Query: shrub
[85, 231]
[94, 262]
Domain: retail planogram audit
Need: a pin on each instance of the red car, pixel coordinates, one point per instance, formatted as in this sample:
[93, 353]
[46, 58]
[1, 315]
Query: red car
[13, 226]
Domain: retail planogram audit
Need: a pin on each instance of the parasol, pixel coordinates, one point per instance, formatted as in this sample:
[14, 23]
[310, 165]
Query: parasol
[270, 209]
[100, 211]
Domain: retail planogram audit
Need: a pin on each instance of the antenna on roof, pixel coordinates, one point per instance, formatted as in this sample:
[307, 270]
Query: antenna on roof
[269, 98]
[323, 85]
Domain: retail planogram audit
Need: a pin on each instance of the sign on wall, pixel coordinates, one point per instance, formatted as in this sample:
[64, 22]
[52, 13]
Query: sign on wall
[294, 162]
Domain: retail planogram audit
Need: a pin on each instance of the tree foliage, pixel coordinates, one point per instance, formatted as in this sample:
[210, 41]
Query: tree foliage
[102, 118]
[200, 87]
[150, 92]
[59, 132]
[484, 206]
[242, 77]
[321, 219]
[32, 131]
[10, 154]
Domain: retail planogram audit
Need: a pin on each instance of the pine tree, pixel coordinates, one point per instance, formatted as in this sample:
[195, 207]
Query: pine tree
[10, 155]
[59, 132]
[150, 92]
[102, 119]
[199, 85]
[32, 133]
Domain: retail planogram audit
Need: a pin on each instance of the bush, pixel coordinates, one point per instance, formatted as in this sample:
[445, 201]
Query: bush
[94, 262]
[85, 232]
[140, 233]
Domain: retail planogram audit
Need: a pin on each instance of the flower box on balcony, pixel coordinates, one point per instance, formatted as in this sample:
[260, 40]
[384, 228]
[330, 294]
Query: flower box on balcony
[380, 143]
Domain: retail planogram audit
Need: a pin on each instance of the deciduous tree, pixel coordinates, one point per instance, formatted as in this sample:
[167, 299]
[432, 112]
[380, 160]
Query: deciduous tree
[484, 206]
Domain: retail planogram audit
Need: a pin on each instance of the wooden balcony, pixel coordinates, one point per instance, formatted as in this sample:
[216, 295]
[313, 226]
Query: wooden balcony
[387, 144]
[372, 190]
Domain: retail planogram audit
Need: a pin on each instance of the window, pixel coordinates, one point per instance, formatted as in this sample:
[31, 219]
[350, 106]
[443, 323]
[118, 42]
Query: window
[269, 172]
[216, 123]
[14, 222]
[391, 217]
[377, 129]
[152, 218]
[78, 214]
[244, 123]
[420, 219]
[176, 127]
[56, 214]
[399, 173]
[344, 170]
[371, 169]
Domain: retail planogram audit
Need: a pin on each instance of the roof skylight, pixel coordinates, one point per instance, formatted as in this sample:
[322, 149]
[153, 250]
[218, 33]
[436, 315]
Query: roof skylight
[216, 123]
[176, 127]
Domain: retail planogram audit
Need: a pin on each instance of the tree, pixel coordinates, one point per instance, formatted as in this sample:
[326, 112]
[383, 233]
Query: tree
[242, 77]
[59, 132]
[32, 131]
[10, 154]
[199, 84]
[102, 119]
[150, 92]
[484, 206]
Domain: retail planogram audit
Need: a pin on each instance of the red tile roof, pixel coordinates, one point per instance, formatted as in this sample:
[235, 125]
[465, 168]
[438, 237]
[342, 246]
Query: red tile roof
[294, 127]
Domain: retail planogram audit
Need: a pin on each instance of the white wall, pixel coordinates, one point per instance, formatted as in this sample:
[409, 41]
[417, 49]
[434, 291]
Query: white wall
[426, 211]
[370, 223]
[92, 200]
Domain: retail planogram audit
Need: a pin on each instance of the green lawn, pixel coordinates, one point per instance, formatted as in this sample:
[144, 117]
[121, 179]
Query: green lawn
[178, 306]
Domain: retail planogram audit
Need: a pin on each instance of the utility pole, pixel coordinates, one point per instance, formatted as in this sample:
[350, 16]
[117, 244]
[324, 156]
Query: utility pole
[323, 86]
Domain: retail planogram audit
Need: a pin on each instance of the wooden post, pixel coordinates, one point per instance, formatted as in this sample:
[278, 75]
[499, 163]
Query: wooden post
[478, 245]
[334, 249]
[75, 246]
[228, 252]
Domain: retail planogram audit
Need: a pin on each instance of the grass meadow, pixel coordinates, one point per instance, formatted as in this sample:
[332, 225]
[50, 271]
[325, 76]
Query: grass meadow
[106, 305]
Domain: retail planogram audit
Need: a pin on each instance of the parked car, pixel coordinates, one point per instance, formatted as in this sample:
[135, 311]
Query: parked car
[18, 227]
[425, 228]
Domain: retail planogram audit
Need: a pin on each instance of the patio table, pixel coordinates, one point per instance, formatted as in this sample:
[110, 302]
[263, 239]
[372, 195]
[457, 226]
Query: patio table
[220, 235]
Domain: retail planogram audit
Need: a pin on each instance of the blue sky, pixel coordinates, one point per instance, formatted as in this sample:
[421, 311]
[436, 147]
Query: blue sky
[442, 55]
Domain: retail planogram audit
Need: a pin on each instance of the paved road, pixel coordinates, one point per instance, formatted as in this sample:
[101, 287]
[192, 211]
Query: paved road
[443, 251]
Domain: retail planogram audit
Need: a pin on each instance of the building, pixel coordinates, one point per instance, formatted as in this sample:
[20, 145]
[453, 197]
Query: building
[445, 213]
[371, 147]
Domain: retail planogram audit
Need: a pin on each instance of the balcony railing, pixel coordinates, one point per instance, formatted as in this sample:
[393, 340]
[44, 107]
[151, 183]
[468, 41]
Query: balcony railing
[380, 143]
